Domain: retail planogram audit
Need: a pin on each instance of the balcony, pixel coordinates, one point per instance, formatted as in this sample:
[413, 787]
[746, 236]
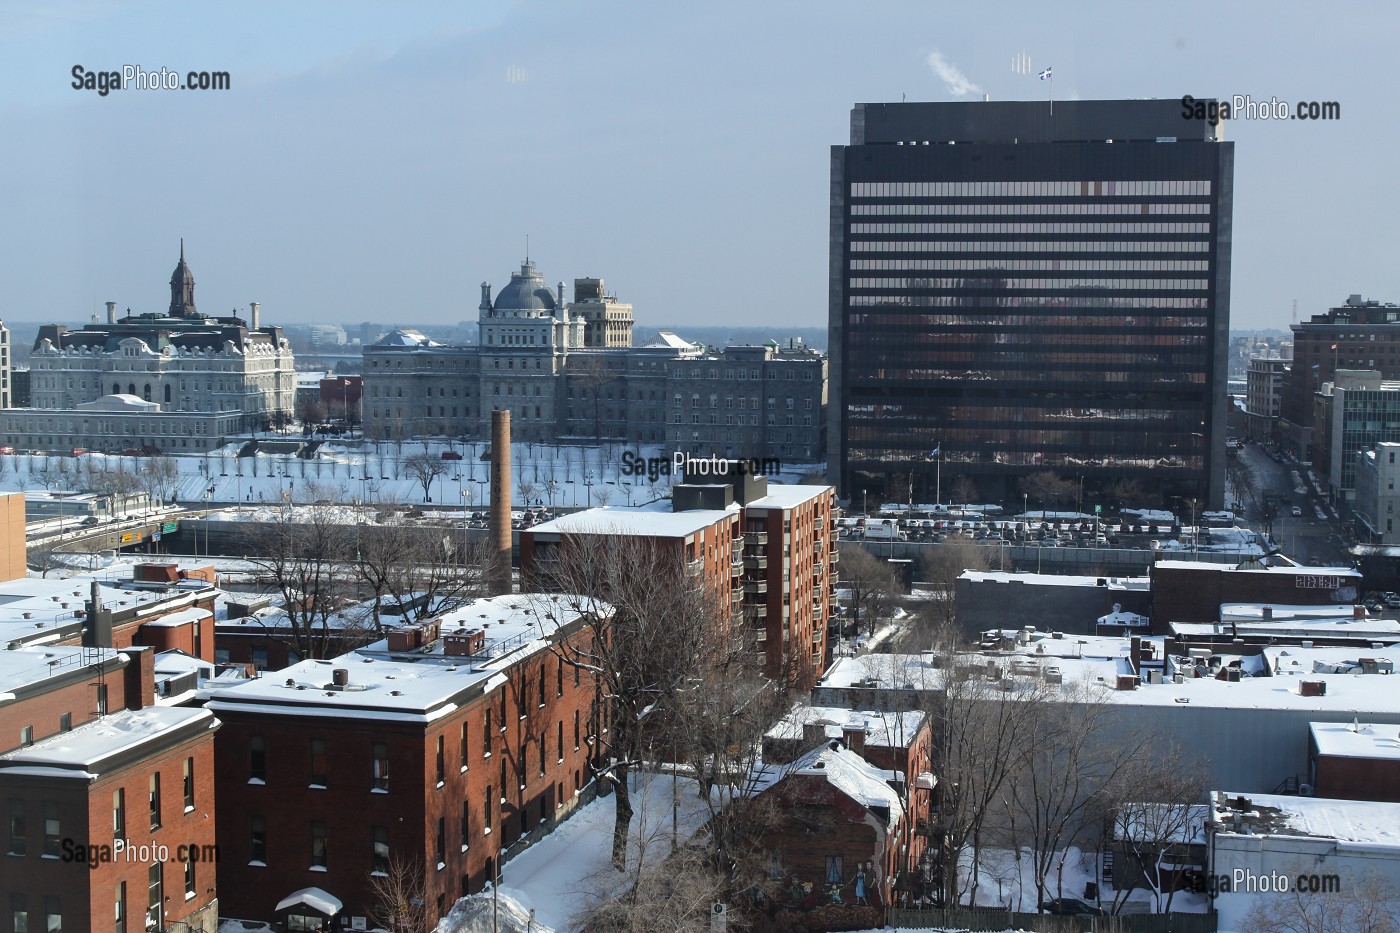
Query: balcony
[736, 568]
[755, 562]
[835, 555]
[817, 612]
[756, 537]
[694, 567]
[755, 611]
[736, 594]
[756, 587]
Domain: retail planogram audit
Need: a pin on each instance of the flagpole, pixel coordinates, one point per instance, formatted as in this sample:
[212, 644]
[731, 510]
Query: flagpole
[938, 477]
[1052, 93]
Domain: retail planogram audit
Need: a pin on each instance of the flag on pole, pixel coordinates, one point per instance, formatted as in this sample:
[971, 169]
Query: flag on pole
[1045, 75]
[1334, 346]
[933, 453]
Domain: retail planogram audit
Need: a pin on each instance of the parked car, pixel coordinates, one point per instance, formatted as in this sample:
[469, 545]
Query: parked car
[1296, 511]
[1073, 907]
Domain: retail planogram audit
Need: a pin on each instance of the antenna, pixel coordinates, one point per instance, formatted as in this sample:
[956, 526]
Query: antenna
[527, 247]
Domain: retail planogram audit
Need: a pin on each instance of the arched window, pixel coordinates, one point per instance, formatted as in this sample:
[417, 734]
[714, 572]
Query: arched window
[131, 389]
[116, 388]
[147, 394]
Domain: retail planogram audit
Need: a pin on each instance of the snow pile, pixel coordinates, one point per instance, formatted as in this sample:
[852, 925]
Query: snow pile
[480, 913]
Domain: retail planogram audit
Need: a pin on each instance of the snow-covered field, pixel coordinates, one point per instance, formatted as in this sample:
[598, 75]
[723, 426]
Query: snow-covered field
[548, 475]
[570, 870]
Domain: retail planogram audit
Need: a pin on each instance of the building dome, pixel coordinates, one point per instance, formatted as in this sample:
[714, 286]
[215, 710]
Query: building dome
[526, 292]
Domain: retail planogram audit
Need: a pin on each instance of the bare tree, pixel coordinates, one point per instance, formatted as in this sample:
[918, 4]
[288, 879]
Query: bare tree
[1161, 816]
[664, 627]
[1047, 489]
[424, 569]
[940, 566]
[424, 468]
[964, 490]
[43, 558]
[1079, 768]
[1368, 905]
[300, 555]
[160, 477]
[871, 582]
[400, 896]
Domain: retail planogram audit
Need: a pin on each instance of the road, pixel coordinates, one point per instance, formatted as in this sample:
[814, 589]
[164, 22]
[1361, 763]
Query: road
[1301, 538]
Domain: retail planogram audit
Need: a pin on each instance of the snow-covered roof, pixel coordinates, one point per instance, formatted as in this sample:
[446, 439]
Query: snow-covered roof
[787, 496]
[188, 616]
[1277, 571]
[844, 770]
[420, 685]
[31, 665]
[882, 729]
[1054, 579]
[1356, 739]
[84, 751]
[55, 604]
[1365, 822]
[655, 519]
[667, 340]
[315, 898]
[1256, 612]
[1339, 626]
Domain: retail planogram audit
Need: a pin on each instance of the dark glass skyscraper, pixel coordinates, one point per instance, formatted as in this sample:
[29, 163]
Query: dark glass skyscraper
[1024, 290]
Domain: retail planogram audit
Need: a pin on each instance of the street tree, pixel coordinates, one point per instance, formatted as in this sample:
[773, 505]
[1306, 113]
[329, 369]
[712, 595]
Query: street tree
[871, 583]
[424, 468]
[1048, 489]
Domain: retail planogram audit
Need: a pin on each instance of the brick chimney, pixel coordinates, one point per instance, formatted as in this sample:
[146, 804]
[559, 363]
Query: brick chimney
[854, 736]
[500, 582]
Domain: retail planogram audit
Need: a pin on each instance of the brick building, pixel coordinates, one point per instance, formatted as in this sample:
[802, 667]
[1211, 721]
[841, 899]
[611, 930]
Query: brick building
[1361, 334]
[439, 747]
[900, 744]
[161, 606]
[1192, 591]
[770, 548]
[834, 817]
[109, 800]
[1355, 760]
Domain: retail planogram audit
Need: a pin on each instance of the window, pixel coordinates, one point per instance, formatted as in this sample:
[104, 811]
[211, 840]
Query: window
[119, 908]
[155, 897]
[542, 753]
[26, 736]
[441, 764]
[65, 722]
[189, 784]
[486, 810]
[442, 841]
[118, 814]
[380, 768]
[257, 840]
[53, 831]
[833, 870]
[559, 678]
[318, 763]
[560, 737]
[155, 800]
[189, 873]
[541, 685]
[53, 915]
[318, 844]
[17, 834]
[486, 737]
[379, 850]
[466, 826]
[576, 729]
[257, 759]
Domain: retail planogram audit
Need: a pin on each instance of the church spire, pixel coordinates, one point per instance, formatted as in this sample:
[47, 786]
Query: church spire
[182, 288]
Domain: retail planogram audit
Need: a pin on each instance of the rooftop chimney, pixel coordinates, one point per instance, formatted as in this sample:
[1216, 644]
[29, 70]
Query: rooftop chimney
[111, 312]
[500, 503]
[254, 318]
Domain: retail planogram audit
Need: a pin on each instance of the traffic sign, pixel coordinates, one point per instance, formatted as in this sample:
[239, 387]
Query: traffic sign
[1098, 509]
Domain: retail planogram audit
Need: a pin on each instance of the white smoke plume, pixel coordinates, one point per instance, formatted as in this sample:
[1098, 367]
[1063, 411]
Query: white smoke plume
[955, 81]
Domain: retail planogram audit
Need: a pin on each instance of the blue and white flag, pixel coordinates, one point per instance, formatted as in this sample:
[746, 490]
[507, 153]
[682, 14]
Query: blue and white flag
[1045, 74]
[934, 452]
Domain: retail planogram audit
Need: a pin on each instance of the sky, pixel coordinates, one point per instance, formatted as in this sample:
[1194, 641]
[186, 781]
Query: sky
[377, 162]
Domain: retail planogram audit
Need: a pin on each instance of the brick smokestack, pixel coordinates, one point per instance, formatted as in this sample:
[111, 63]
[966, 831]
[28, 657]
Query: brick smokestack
[254, 315]
[500, 582]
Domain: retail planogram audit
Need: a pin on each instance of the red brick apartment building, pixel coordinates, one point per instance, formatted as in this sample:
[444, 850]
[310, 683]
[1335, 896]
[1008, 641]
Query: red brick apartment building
[771, 549]
[108, 800]
[438, 747]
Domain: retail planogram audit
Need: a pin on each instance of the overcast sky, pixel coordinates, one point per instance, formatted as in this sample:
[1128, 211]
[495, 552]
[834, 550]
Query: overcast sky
[377, 161]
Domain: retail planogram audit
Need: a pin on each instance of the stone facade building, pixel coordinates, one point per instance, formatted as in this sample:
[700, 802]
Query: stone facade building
[568, 373]
[114, 423]
[183, 360]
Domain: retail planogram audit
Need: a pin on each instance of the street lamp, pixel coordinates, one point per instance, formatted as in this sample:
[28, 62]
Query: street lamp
[466, 501]
[208, 494]
[588, 481]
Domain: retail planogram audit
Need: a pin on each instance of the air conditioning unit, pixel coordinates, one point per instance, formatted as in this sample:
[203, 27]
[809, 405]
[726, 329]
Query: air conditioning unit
[1306, 790]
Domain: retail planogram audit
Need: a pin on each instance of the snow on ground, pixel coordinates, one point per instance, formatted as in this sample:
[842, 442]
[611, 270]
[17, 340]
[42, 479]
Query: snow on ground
[342, 472]
[570, 870]
[488, 911]
[1008, 882]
